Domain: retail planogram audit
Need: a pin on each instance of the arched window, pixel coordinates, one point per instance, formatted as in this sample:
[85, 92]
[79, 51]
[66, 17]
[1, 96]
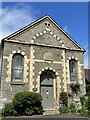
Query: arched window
[73, 69]
[17, 67]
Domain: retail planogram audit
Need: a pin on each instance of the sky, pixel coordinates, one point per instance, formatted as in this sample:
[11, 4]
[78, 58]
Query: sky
[71, 16]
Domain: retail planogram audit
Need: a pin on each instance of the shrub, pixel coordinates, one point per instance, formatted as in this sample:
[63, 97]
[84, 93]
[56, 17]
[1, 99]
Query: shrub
[88, 89]
[82, 100]
[64, 98]
[24, 103]
[72, 108]
[83, 111]
[8, 110]
[0, 113]
[64, 109]
[85, 108]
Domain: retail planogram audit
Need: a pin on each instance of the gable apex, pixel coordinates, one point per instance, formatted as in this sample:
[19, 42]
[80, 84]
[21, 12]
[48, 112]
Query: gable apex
[38, 21]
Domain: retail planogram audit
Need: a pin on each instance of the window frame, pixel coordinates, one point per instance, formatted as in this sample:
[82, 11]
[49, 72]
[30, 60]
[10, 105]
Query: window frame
[12, 70]
[75, 74]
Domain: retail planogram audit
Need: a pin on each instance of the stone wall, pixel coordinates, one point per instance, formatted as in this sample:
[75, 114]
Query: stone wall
[44, 46]
[35, 61]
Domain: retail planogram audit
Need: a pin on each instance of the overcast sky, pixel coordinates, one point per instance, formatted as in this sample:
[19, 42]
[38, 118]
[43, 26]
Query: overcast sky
[72, 17]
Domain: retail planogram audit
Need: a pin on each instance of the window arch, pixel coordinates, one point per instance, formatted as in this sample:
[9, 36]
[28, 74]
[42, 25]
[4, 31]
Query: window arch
[17, 67]
[73, 69]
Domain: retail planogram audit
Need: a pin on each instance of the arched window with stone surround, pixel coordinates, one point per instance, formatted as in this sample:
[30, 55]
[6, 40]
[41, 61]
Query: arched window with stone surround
[73, 70]
[17, 67]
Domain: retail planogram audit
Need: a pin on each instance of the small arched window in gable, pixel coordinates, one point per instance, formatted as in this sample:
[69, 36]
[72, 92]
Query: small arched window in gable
[73, 69]
[17, 67]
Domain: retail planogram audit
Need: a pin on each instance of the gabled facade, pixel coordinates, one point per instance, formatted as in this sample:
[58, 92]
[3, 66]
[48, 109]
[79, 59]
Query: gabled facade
[42, 58]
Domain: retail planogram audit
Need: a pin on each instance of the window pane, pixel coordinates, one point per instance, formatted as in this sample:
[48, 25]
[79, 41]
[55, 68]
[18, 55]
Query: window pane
[17, 74]
[17, 67]
[73, 70]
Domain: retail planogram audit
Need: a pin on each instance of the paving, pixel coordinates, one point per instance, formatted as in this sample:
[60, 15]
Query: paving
[49, 117]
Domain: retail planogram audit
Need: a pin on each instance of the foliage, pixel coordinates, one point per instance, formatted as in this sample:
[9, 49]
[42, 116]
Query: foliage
[24, 103]
[81, 107]
[64, 103]
[88, 89]
[64, 98]
[83, 111]
[75, 88]
[82, 100]
[8, 110]
[0, 113]
[85, 108]
[72, 108]
[64, 109]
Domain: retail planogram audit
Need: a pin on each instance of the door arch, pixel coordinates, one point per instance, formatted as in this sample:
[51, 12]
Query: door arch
[47, 88]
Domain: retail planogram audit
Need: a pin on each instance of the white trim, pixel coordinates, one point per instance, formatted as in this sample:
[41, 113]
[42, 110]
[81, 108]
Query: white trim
[56, 81]
[58, 38]
[40, 72]
[13, 52]
[41, 33]
[72, 57]
[18, 51]
[34, 37]
[44, 31]
[48, 68]
[23, 53]
[37, 35]
[54, 36]
[51, 33]
[32, 41]
[48, 29]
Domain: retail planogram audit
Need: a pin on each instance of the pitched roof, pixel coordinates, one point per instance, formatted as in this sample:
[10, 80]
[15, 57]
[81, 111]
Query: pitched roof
[39, 20]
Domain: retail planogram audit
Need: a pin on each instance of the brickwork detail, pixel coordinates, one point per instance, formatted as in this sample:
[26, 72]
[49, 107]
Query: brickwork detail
[56, 81]
[64, 72]
[78, 69]
[8, 78]
[50, 32]
[9, 66]
[31, 80]
[44, 46]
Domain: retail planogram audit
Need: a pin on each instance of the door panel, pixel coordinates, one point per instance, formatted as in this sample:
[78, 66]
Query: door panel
[46, 84]
[47, 94]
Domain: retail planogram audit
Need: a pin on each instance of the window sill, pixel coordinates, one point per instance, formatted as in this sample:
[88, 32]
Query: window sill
[17, 83]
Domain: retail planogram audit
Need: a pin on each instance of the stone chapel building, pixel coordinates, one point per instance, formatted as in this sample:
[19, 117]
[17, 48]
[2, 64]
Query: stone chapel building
[41, 57]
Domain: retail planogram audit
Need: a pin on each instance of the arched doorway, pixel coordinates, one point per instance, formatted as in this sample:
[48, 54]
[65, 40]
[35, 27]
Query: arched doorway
[47, 88]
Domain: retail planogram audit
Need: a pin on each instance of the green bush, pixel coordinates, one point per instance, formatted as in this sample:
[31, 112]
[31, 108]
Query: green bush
[64, 109]
[0, 114]
[73, 108]
[82, 100]
[24, 103]
[83, 111]
[8, 110]
[85, 108]
[28, 103]
[88, 89]
[64, 98]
